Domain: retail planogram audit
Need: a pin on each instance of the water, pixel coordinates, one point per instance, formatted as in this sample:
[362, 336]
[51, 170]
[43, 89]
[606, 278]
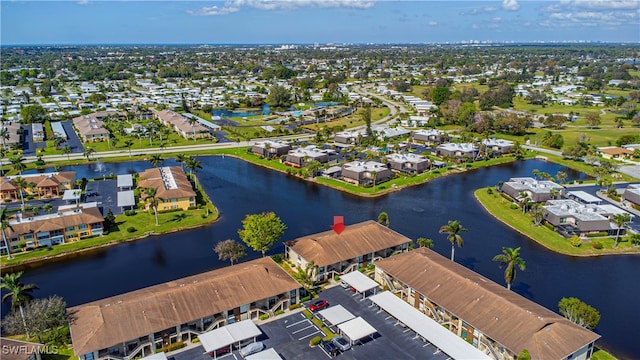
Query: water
[241, 114]
[238, 188]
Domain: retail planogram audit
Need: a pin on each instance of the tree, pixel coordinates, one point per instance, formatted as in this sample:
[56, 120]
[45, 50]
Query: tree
[453, 229]
[17, 164]
[524, 355]
[41, 316]
[579, 312]
[193, 165]
[561, 176]
[538, 214]
[307, 275]
[128, 144]
[523, 200]
[47, 207]
[156, 160]
[19, 293]
[424, 242]
[230, 250]
[109, 220]
[593, 119]
[279, 97]
[620, 220]
[67, 150]
[33, 114]
[182, 159]
[58, 140]
[21, 184]
[511, 258]
[88, 151]
[152, 200]
[261, 231]
[365, 115]
[383, 218]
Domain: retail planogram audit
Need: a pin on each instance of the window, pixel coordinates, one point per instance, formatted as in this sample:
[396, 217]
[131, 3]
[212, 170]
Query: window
[28, 236]
[563, 220]
[70, 228]
[83, 226]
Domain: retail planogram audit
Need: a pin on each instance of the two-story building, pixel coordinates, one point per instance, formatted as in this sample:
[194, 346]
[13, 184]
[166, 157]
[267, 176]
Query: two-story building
[458, 150]
[271, 148]
[497, 321]
[430, 136]
[91, 127]
[45, 185]
[497, 146]
[350, 137]
[140, 322]
[299, 157]
[365, 172]
[188, 128]
[631, 195]
[408, 163]
[339, 253]
[173, 189]
[537, 190]
[570, 217]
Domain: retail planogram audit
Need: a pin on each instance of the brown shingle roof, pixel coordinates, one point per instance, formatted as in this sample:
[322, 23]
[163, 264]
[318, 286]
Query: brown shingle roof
[17, 350]
[55, 222]
[510, 319]
[117, 319]
[328, 247]
[151, 178]
[615, 151]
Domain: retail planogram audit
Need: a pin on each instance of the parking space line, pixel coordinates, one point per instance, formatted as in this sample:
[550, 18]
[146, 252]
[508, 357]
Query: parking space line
[297, 322]
[313, 333]
[303, 329]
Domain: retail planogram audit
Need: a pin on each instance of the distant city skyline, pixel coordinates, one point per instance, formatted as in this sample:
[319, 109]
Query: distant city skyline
[317, 21]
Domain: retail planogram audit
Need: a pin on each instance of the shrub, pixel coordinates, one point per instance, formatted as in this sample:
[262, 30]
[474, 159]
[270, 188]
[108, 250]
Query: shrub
[371, 267]
[514, 207]
[172, 347]
[597, 234]
[549, 226]
[279, 312]
[489, 191]
[277, 258]
[307, 314]
[596, 245]
[195, 341]
[130, 212]
[264, 316]
[336, 277]
[575, 241]
[315, 341]
[131, 229]
[506, 197]
[295, 306]
[306, 298]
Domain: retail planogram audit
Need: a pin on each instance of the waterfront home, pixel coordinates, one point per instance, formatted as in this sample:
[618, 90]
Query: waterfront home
[45, 185]
[498, 146]
[91, 127]
[141, 322]
[615, 153]
[365, 172]
[631, 195]
[271, 148]
[458, 151]
[429, 136]
[20, 350]
[299, 157]
[497, 321]
[384, 132]
[408, 163]
[537, 190]
[51, 229]
[173, 189]
[350, 137]
[570, 217]
[356, 246]
[188, 128]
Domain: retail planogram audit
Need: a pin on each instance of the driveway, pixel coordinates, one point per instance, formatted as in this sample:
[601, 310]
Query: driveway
[73, 140]
[105, 193]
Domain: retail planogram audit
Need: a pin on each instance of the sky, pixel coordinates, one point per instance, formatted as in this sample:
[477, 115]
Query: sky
[316, 21]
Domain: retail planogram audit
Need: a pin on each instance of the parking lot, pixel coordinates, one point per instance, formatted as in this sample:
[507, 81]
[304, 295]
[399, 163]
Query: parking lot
[104, 192]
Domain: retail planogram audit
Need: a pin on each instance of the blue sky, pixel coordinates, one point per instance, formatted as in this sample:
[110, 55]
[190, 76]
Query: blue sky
[309, 21]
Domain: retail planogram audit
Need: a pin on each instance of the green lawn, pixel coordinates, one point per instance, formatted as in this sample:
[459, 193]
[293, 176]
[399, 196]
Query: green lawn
[501, 209]
[600, 354]
[352, 120]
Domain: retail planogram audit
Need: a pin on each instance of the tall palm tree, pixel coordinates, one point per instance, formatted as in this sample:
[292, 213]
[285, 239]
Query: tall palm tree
[156, 160]
[17, 164]
[128, 143]
[48, 208]
[4, 224]
[19, 293]
[152, 200]
[66, 150]
[523, 200]
[182, 159]
[620, 220]
[193, 165]
[453, 229]
[57, 141]
[88, 151]
[21, 184]
[424, 242]
[511, 258]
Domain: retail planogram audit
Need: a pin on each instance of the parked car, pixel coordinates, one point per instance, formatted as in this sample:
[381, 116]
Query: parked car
[341, 343]
[92, 193]
[329, 347]
[344, 285]
[221, 351]
[252, 348]
[318, 305]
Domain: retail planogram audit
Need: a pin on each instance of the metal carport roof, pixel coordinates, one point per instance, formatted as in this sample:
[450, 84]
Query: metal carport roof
[228, 335]
[359, 281]
[269, 354]
[356, 329]
[336, 315]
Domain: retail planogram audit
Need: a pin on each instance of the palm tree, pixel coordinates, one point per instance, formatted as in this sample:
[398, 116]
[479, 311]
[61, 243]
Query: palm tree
[21, 184]
[17, 164]
[182, 158]
[453, 229]
[511, 258]
[383, 218]
[87, 152]
[523, 200]
[193, 122]
[620, 220]
[193, 165]
[48, 208]
[19, 293]
[67, 150]
[57, 141]
[4, 224]
[424, 242]
[152, 200]
[128, 143]
[156, 160]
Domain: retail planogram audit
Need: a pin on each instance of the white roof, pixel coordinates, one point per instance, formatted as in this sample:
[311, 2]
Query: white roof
[359, 281]
[584, 196]
[426, 327]
[158, 356]
[73, 194]
[336, 315]
[356, 329]
[125, 180]
[227, 335]
[269, 354]
[126, 198]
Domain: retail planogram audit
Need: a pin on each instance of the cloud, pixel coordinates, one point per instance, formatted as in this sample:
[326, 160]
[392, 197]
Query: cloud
[432, 23]
[232, 6]
[511, 5]
[593, 13]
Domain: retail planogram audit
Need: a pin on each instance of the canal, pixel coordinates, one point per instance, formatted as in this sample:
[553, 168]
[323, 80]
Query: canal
[238, 188]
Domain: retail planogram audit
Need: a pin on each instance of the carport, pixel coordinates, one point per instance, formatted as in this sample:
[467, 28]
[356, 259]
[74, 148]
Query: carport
[426, 328]
[72, 196]
[359, 281]
[233, 334]
[158, 356]
[269, 354]
[126, 200]
[336, 315]
[356, 329]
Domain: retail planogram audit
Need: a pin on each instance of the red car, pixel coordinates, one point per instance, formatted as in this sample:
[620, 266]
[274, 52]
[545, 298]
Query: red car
[318, 305]
[221, 351]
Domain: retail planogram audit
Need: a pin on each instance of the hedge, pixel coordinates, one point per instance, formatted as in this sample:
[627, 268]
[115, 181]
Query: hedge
[264, 317]
[294, 306]
[315, 341]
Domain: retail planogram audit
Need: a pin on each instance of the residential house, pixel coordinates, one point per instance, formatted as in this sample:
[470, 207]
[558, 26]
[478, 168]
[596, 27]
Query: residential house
[458, 151]
[91, 127]
[429, 136]
[299, 157]
[45, 185]
[350, 137]
[12, 129]
[384, 132]
[37, 131]
[188, 128]
[339, 253]
[614, 152]
[631, 195]
[570, 217]
[408, 163]
[497, 321]
[141, 322]
[537, 190]
[51, 229]
[365, 172]
[173, 189]
[271, 148]
[498, 146]
[20, 350]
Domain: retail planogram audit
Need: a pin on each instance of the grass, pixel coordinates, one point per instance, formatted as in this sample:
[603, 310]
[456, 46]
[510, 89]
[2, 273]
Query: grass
[501, 209]
[600, 354]
[352, 120]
